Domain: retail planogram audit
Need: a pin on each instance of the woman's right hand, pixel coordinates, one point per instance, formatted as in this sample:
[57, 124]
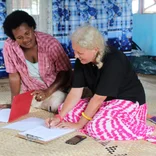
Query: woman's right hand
[52, 122]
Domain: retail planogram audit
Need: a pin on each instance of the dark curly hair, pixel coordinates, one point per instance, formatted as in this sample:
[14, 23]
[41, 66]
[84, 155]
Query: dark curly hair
[15, 19]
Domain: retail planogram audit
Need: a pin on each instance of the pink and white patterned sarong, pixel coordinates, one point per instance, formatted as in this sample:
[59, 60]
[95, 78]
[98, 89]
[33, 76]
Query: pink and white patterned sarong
[115, 120]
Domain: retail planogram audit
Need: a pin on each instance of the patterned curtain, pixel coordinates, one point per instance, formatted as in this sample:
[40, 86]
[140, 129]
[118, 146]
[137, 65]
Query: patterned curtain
[2, 37]
[112, 17]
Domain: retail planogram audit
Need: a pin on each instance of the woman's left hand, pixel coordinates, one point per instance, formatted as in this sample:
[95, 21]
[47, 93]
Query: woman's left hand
[40, 95]
[71, 125]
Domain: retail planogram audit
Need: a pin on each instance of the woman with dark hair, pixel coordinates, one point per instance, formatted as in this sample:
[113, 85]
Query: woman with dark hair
[36, 61]
[117, 110]
[15, 19]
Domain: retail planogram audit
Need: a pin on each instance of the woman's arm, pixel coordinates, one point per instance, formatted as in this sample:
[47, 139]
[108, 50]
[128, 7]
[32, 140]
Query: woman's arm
[62, 67]
[93, 106]
[72, 99]
[62, 81]
[15, 84]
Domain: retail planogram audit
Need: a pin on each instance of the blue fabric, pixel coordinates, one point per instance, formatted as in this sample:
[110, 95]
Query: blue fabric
[2, 37]
[112, 17]
[2, 66]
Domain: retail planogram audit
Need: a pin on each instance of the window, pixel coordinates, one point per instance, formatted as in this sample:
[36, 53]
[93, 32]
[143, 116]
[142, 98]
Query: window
[149, 6]
[135, 6]
[40, 10]
[32, 7]
[143, 6]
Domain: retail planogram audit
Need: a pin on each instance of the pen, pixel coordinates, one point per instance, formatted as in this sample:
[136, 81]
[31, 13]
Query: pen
[50, 116]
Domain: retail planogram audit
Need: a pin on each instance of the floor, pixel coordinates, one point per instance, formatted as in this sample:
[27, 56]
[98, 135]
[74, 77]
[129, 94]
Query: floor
[149, 83]
[5, 96]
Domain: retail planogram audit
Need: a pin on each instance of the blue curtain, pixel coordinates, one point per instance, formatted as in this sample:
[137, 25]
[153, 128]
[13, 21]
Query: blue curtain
[2, 37]
[112, 17]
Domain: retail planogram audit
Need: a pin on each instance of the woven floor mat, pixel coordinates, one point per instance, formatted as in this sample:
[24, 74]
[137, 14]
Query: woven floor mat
[11, 145]
[4, 87]
[130, 148]
[5, 95]
[14, 146]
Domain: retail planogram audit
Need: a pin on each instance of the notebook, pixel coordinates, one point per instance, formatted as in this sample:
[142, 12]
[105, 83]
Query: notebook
[20, 106]
[25, 124]
[4, 114]
[42, 134]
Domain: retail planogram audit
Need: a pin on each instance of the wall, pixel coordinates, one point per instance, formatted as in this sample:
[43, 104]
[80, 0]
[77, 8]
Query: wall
[144, 32]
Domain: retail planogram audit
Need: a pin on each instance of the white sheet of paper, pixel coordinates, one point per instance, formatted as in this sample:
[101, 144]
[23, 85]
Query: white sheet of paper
[4, 114]
[25, 124]
[46, 134]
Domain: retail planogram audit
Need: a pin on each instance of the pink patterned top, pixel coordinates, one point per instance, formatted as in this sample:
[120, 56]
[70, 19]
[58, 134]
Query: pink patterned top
[51, 60]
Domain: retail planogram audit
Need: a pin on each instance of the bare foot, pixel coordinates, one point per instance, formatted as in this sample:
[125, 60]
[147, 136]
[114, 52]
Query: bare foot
[2, 106]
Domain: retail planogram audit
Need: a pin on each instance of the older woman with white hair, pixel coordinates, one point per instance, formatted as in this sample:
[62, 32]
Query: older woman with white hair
[117, 110]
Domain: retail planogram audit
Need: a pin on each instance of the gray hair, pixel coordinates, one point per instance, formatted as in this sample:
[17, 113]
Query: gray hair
[90, 38]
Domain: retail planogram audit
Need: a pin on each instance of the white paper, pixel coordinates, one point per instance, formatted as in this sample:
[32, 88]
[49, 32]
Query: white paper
[4, 114]
[25, 124]
[46, 134]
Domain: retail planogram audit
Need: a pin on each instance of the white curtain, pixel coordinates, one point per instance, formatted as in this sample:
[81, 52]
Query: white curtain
[40, 10]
